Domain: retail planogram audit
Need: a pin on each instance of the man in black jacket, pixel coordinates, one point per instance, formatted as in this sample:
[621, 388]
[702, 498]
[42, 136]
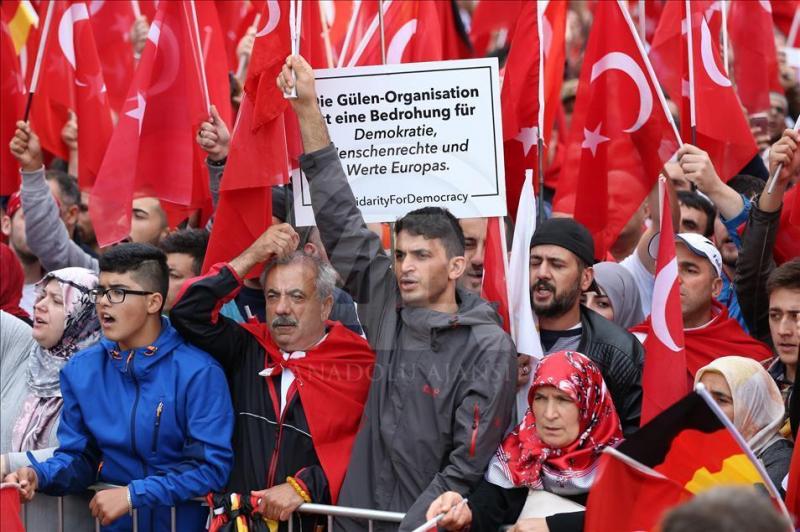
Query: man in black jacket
[562, 254]
[299, 382]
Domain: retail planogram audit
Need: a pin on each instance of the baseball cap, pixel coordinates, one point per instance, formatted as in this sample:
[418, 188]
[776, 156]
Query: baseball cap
[697, 244]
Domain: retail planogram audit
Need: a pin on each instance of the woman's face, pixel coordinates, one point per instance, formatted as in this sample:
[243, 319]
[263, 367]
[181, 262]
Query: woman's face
[718, 387]
[49, 316]
[556, 417]
[600, 304]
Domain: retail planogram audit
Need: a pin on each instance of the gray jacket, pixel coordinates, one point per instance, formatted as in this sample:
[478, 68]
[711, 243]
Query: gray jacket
[45, 233]
[444, 385]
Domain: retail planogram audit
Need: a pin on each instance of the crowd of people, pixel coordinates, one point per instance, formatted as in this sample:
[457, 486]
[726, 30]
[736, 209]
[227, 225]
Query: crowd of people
[320, 366]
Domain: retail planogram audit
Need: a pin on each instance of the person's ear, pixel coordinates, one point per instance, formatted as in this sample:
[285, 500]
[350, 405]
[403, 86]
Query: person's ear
[5, 225]
[155, 302]
[457, 267]
[71, 215]
[326, 307]
[716, 287]
[310, 249]
[586, 278]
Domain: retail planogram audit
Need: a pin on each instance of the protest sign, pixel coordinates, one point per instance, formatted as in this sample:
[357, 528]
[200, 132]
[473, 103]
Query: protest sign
[414, 135]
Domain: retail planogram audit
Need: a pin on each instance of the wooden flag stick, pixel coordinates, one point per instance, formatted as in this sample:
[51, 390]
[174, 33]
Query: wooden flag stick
[37, 66]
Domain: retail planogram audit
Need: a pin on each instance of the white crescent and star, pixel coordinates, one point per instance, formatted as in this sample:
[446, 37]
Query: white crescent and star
[665, 280]
[625, 63]
[137, 113]
[274, 12]
[75, 13]
[394, 54]
[528, 136]
[707, 55]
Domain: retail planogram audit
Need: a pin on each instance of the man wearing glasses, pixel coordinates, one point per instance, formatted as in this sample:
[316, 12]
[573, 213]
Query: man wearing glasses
[143, 410]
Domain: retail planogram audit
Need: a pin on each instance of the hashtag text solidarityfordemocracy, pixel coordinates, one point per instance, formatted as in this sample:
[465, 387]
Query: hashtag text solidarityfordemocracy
[410, 198]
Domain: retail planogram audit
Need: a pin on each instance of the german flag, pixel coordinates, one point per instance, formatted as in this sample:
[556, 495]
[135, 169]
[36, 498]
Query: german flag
[687, 449]
[19, 16]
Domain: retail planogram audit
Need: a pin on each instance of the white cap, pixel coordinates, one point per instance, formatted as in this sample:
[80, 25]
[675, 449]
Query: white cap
[697, 244]
[702, 247]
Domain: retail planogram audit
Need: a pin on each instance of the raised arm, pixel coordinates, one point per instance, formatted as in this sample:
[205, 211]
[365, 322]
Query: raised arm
[755, 261]
[196, 313]
[354, 250]
[45, 233]
[215, 139]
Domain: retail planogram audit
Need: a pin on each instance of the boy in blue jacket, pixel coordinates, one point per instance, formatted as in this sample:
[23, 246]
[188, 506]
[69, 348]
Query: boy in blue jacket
[143, 409]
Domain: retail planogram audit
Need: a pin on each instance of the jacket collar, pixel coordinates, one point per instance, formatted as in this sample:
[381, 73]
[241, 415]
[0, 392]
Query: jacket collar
[139, 361]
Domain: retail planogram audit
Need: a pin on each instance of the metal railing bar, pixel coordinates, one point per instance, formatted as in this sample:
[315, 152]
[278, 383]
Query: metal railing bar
[60, 514]
[357, 513]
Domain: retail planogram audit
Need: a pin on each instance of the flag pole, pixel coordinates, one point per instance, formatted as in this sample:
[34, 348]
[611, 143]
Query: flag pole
[642, 21]
[793, 29]
[199, 56]
[137, 12]
[724, 11]
[774, 178]
[540, 119]
[690, 45]
[349, 35]
[650, 72]
[37, 66]
[326, 36]
[383, 36]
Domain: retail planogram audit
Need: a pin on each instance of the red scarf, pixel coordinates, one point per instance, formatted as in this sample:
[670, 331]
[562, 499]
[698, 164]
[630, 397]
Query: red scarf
[333, 380]
[528, 461]
[722, 337]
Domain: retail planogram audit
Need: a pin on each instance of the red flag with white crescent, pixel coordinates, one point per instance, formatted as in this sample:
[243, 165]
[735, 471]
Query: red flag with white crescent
[664, 380]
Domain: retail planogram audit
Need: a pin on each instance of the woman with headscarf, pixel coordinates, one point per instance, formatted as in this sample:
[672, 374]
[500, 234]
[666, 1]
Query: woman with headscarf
[751, 400]
[541, 474]
[12, 279]
[64, 322]
[618, 298]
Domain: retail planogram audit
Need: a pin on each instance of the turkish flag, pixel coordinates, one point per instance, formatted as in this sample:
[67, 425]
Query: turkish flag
[491, 17]
[234, 19]
[519, 95]
[112, 23]
[495, 269]
[412, 33]
[664, 379]
[71, 78]
[784, 12]
[755, 61]
[212, 46]
[652, 14]
[722, 127]
[787, 241]
[12, 105]
[258, 154]
[153, 150]
[256, 161]
[620, 136]
[793, 489]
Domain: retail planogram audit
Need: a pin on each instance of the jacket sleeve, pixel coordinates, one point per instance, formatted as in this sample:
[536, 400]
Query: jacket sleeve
[207, 455]
[45, 232]
[753, 267]
[315, 483]
[196, 316]
[479, 424]
[630, 379]
[214, 182]
[355, 251]
[73, 466]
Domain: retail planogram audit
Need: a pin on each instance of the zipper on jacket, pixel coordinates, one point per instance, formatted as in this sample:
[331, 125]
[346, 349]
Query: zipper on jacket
[130, 363]
[159, 409]
[273, 466]
[476, 420]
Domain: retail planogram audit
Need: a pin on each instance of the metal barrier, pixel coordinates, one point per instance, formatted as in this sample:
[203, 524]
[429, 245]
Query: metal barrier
[370, 516]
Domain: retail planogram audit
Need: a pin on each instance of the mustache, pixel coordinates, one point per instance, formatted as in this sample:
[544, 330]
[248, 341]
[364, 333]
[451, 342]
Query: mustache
[544, 284]
[284, 320]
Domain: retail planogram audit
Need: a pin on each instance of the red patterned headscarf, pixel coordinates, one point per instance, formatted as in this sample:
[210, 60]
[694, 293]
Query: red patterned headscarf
[525, 460]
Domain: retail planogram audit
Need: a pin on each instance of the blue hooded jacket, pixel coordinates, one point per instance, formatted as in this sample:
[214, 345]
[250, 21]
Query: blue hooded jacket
[157, 418]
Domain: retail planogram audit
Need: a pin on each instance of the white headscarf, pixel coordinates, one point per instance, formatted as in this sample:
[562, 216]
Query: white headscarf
[758, 408]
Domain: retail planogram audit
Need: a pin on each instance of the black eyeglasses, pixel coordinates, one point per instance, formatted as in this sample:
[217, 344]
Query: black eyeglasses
[115, 295]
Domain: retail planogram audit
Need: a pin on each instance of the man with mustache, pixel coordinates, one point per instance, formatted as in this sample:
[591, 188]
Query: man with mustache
[298, 382]
[562, 254]
[445, 371]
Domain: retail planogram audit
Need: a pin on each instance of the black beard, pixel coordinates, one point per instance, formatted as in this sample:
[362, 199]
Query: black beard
[561, 304]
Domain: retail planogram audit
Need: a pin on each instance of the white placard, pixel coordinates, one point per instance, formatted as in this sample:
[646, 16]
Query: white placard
[414, 135]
